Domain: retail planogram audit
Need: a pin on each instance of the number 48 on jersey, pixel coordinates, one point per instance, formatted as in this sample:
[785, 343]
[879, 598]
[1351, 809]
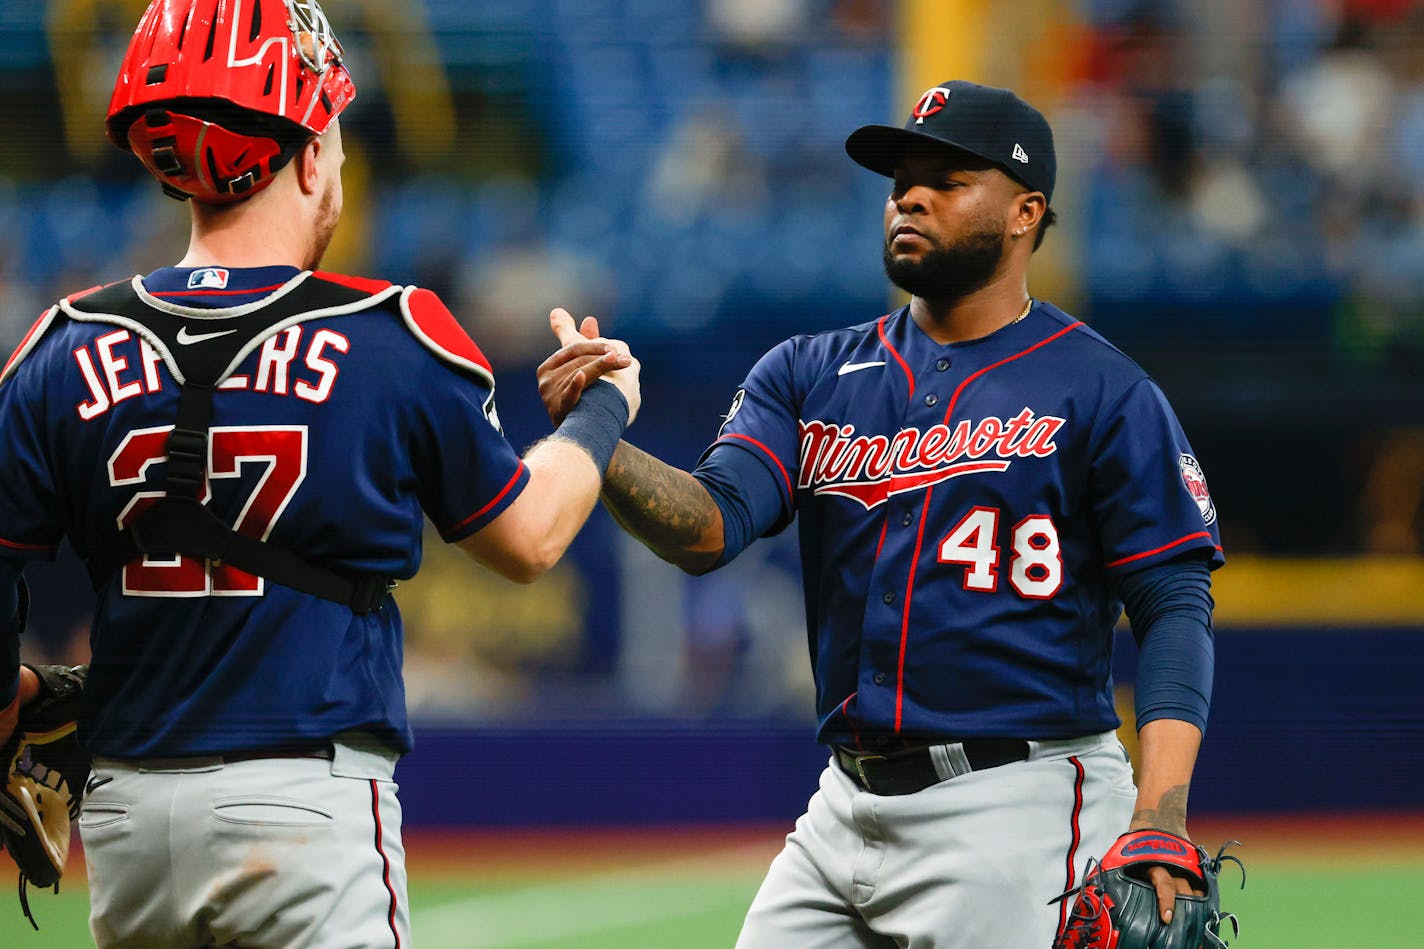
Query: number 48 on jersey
[1035, 560]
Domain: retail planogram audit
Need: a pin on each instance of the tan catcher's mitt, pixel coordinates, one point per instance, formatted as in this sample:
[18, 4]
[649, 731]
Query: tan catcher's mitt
[45, 771]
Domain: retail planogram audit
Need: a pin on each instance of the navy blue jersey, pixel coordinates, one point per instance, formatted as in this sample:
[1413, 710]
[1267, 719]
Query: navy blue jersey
[333, 439]
[964, 511]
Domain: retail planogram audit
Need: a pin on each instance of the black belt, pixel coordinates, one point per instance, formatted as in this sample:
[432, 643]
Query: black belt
[323, 751]
[913, 769]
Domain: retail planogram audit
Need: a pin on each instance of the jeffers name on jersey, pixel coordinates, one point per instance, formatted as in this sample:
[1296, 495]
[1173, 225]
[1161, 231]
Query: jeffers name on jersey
[114, 371]
[962, 512]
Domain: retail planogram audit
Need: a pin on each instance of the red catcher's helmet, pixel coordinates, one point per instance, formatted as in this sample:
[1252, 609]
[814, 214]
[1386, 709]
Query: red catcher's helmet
[215, 96]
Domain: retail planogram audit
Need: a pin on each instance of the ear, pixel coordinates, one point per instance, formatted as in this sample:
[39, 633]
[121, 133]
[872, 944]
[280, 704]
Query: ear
[306, 166]
[1028, 209]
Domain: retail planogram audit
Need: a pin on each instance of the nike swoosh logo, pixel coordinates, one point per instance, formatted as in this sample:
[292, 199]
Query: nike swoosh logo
[857, 366]
[186, 338]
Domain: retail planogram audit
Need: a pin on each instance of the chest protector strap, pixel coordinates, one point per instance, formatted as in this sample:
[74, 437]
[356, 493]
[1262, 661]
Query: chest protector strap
[178, 523]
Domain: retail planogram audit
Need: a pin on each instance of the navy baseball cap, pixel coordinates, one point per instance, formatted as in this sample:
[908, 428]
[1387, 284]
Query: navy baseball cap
[992, 123]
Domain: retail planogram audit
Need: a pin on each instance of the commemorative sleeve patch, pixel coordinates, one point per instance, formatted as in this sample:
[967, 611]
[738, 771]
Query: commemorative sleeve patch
[1195, 481]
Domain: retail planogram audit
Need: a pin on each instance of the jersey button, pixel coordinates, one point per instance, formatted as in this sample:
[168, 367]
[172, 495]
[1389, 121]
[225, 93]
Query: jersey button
[907, 518]
[888, 598]
[942, 365]
[879, 678]
[931, 399]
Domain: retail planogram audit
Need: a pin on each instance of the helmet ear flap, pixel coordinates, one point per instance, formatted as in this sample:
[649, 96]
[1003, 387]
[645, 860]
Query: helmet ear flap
[162, 142]
[215, 96]
[189, 154]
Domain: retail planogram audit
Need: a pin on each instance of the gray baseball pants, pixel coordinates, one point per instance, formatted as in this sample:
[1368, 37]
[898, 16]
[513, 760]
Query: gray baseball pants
[969, 863]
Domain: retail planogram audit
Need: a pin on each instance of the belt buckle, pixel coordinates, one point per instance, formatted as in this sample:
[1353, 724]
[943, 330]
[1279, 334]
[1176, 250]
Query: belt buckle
[860, 768]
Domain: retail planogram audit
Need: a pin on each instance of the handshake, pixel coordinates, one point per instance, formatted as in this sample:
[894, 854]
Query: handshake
[584, 358]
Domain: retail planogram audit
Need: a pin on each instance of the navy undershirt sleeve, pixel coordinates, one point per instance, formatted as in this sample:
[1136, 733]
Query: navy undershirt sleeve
[1169, 606]
[12, 623]
[748, 494]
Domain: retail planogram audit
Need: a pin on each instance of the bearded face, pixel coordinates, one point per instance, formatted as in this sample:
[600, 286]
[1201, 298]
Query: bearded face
[946, 223]
[950, 269]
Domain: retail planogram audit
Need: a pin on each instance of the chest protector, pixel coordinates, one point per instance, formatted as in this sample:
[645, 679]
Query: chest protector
[201, 351]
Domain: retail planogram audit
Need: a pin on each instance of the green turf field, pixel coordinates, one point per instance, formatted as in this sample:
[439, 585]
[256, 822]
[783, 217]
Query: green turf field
[502, 899]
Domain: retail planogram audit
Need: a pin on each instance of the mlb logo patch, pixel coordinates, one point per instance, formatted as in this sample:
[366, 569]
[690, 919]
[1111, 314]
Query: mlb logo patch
[209, 278]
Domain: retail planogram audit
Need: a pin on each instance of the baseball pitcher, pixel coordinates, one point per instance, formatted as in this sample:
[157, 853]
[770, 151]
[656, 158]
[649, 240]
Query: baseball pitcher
[981, 484]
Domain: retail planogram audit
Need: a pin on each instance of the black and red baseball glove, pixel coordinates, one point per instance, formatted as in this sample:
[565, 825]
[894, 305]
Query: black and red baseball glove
[1116, 905]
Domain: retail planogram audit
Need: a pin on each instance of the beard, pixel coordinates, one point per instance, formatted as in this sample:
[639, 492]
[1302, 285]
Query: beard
[327, 216]
[951, 273]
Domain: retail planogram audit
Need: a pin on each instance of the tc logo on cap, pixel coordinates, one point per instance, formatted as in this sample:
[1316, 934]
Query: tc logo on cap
[931, 102]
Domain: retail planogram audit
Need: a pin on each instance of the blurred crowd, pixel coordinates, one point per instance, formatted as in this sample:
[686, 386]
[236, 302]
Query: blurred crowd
[1252, 229]
[1242, 205]
[1259, 155]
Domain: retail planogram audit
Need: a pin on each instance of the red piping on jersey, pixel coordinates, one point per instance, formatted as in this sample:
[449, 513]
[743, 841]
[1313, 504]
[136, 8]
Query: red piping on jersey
[1038, 345]
[1158, 550]
[16, 545]
[84, 293]
[845, 713]
[905, 617]
[385, 860]
[919, 538]
[791, 494]
[495, 500]
[1075, 837]
[884, 341]
[884, 525]
[214, 293]
[41, 323]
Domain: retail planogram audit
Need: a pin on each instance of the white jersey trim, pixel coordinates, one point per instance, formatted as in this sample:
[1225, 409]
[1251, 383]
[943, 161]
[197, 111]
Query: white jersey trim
[81, 316]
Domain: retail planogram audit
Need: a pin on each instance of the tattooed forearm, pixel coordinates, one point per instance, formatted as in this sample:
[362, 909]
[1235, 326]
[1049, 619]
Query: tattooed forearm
[664, 507]
[1168, 813]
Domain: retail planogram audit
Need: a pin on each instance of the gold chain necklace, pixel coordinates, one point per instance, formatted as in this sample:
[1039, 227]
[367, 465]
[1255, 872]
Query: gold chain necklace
[1027, 306]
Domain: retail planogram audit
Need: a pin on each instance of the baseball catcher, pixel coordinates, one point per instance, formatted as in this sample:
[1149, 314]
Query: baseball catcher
[1116, 908]
[285, 568]
[45, 771]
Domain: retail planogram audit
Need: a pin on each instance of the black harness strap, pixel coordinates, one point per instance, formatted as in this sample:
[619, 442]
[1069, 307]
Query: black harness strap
[182, 525]
[178, 523]
[188, 442]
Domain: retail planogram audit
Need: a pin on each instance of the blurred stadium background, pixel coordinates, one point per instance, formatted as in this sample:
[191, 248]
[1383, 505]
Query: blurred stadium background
[1241, 206]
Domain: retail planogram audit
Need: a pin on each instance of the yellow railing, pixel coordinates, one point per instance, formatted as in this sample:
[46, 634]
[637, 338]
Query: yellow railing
[1366, 591]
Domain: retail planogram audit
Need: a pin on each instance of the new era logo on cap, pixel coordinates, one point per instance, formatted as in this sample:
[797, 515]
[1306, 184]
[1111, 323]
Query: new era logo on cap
[1020, 154]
